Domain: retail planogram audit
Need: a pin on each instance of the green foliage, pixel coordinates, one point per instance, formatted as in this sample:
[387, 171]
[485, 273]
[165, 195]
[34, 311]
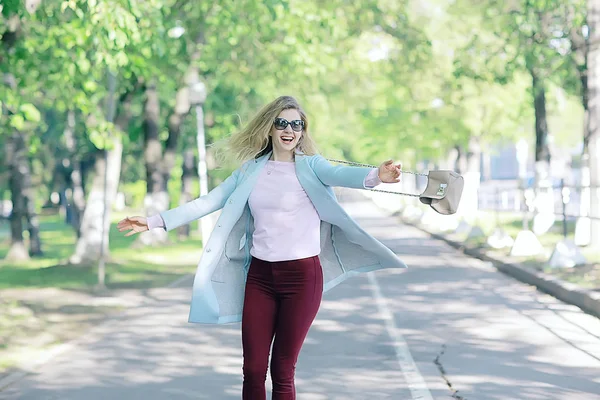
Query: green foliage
[134, 193]
[378, 78]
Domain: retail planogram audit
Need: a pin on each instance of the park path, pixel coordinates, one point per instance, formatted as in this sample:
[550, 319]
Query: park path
[448, 327]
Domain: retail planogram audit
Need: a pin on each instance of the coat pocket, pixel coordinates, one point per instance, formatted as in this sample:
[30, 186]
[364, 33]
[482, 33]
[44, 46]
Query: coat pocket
[231, 258]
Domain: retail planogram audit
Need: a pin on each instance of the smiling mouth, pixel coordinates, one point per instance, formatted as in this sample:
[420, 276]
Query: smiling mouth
[287, 140]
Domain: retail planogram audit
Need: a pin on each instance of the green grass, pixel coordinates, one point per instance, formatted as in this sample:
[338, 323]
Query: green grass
[127, 267]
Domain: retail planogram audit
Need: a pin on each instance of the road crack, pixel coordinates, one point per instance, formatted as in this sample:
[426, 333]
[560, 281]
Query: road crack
[437, 362]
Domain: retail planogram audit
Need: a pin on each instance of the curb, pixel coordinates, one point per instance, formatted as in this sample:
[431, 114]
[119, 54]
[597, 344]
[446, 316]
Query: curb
[11, 377]
[586, 300]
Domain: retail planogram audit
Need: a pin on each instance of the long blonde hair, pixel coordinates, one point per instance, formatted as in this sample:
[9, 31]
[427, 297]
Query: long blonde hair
[253, 140]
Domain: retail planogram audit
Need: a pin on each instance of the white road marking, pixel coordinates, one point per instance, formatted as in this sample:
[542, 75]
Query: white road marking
[416, 383]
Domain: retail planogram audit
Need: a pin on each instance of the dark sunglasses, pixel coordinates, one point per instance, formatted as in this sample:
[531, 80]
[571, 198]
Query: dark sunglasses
[282, 123]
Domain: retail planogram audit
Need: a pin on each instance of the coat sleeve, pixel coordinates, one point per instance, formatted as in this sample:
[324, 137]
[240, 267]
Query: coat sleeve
[203, 205]
[340, 175]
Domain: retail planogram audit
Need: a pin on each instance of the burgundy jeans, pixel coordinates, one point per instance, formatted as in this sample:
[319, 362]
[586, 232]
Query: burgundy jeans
[281, 302]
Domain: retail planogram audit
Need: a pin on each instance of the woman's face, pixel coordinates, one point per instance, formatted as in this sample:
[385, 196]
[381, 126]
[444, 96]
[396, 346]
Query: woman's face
[286, 139]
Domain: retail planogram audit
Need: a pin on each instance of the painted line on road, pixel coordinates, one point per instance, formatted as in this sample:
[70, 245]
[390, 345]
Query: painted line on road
[416, 384]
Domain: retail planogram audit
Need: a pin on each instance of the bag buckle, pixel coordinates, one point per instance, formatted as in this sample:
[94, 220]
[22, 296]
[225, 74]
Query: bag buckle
[442, 189]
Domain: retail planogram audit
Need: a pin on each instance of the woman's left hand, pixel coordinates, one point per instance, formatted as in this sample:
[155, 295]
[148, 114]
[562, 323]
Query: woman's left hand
[390, 173]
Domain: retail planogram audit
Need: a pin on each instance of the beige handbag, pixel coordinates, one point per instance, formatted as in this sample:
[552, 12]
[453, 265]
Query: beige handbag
[443, 192]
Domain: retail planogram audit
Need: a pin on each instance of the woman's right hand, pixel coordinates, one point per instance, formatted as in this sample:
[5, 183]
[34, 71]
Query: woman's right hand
[134, 224]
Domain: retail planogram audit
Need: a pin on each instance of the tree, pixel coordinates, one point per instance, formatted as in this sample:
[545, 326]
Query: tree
[119, 25]
[18, 117]
[582, 31]
[593, 117]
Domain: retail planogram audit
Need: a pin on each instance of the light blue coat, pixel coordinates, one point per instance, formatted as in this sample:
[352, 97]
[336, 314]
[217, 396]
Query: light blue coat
[346, 249]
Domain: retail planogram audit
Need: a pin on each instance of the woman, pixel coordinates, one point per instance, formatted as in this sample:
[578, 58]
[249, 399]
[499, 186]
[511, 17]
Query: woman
[280, 242]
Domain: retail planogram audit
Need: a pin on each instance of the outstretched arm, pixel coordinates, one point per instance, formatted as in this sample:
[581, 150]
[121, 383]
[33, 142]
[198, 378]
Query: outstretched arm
[355, 177]
[185, 213]
[201, 206]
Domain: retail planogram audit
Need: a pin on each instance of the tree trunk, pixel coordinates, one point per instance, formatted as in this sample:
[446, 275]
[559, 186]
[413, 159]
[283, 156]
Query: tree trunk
[583, 225]
[89, 243]
[181, 110]
[544, 193]
[450, 160]
[23, 201]
[593, 135]
[542, 150]
[33, 222]
[76, 195]
[16, 157]
[460, 159]
[157, 197]
[470, 169]
[17, 164]
[187, 179]
[473, 171]
[206, 223]
[594, 173]
[585, 102]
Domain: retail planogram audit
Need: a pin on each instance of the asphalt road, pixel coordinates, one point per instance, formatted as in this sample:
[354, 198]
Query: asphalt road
[447, 327]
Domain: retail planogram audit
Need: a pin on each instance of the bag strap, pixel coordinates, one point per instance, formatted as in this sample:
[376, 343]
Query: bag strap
[374, 166]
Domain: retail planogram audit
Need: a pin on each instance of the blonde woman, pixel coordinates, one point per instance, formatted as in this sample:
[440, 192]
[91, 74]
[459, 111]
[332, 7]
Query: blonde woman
[281, 240]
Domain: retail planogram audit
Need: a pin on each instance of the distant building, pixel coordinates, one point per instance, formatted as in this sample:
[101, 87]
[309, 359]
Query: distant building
[502, 163]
